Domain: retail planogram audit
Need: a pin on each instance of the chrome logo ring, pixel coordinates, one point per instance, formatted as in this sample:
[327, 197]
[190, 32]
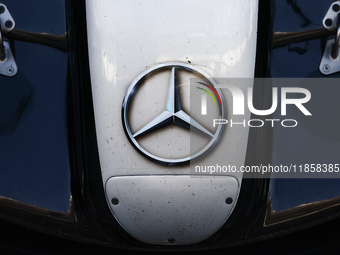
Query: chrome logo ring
[173, 114]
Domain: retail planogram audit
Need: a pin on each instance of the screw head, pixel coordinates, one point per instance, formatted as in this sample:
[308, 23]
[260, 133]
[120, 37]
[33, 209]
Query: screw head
[171, 240]
[328, 22]
[115, 201]
[336, 7]
[229, 201]
[326, 68]
[2, 9]
[8, 24]
[10, 70]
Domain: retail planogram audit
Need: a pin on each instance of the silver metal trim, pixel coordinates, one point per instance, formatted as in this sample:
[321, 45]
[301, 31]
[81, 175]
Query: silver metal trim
[330, 60]
[335, 47]
[8, 67]
[173, 114]
[331, 15]
[5, 17]
[2, 48]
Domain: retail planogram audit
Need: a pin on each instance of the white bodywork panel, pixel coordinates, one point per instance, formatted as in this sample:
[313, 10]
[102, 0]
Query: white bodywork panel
[126, 38]
[171, 209]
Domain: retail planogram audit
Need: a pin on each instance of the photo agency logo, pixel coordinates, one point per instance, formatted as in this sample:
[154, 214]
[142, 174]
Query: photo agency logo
[302, 96]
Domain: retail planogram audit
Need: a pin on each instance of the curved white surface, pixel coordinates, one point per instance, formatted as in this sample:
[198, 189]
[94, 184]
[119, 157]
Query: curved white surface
[127, 37]
[171, 210]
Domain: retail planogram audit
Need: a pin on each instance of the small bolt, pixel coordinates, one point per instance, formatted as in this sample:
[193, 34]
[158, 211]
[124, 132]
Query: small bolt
[328, 22]
[336, 7]
[229, 200]
[115, 201]
[2, 9]
[10, 70]
[8, 24]
[326, 68]
[171, 240]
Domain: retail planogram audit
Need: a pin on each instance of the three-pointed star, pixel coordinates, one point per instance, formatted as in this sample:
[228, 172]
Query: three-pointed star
[173, 113]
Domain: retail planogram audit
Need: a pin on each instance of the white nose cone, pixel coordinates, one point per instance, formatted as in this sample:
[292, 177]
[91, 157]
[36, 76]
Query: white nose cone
[145, 144]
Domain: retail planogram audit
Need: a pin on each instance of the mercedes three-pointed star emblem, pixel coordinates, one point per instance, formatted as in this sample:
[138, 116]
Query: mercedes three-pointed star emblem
[173, 114]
